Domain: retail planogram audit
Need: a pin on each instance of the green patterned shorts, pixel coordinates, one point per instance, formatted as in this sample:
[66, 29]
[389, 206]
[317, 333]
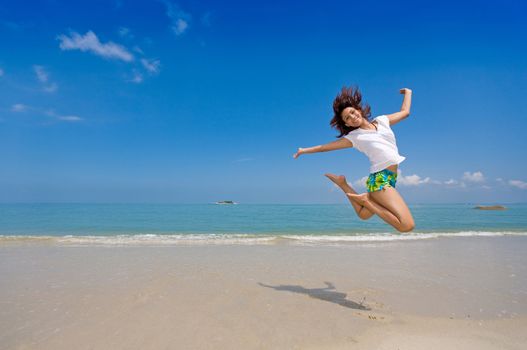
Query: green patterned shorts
[377, 181]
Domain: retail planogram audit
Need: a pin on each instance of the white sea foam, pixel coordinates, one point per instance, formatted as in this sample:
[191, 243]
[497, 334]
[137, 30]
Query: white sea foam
[244, 239]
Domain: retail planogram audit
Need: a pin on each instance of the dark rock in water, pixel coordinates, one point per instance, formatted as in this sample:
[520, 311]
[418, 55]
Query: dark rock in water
[490, 207]
[226, 202]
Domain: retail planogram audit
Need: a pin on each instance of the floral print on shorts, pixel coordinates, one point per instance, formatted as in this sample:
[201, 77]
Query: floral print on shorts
[377, 181]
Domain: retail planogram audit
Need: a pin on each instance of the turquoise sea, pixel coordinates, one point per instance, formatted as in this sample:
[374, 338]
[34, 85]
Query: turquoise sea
[242, 223]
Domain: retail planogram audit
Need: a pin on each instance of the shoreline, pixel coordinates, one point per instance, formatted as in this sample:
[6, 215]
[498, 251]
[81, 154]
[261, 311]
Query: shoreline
[322, 239]
[467, 292]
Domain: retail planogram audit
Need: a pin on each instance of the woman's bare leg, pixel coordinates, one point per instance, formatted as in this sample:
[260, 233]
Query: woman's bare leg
[339, 180]
[388, 205]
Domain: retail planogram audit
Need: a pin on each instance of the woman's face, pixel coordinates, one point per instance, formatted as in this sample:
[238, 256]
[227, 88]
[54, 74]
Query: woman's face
[351, 117]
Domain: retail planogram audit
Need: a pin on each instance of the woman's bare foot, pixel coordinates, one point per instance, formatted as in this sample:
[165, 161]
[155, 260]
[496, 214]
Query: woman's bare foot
[361, 199]
[339, 180]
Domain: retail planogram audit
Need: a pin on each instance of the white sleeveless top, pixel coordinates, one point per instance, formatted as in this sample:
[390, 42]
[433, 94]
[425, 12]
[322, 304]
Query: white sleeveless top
[379, 145]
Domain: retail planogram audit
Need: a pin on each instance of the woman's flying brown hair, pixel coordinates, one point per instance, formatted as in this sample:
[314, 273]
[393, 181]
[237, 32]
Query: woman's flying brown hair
[348, 97]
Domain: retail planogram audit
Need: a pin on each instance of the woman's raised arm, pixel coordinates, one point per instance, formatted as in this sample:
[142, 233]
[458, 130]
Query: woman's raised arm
[405, 108]
[339, 144]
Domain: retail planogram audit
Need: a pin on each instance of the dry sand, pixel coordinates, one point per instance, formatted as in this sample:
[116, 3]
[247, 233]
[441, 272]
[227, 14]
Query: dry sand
[445, 293]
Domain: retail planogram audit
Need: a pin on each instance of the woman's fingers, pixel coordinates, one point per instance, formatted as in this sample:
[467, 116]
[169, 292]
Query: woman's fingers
[298, 153]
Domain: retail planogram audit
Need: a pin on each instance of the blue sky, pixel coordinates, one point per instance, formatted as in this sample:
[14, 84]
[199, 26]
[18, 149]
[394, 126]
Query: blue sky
[197, 101]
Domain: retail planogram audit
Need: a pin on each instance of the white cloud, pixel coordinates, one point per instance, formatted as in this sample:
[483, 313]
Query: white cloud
[180, 26]
[151, 65]
[454, 183]
[180, 19]
[69, 118]
[451, 182]
[1, 72]
[473, 177]
[41, 73]
[90, 43]
[64, 118]
[19, 107]
[125, 32]
[138, 50]
[43, 77]
[361, 182]
[136, 78]
[414, 180]
[518, 183]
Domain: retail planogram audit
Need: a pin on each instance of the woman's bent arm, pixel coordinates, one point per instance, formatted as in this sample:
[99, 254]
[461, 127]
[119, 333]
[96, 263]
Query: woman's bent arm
[339, 144]
[405, 108]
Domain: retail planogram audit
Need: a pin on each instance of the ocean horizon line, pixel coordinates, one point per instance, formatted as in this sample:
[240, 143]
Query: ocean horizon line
[255, 203]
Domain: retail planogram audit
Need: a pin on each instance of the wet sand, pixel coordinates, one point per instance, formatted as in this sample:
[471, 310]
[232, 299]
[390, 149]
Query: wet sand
[468, 293]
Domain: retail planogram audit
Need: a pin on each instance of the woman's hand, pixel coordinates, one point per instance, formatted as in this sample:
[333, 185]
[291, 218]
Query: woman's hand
[405, 91]
[298, 153]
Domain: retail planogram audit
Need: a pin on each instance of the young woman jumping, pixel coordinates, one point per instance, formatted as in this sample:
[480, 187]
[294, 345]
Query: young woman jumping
[375, 139]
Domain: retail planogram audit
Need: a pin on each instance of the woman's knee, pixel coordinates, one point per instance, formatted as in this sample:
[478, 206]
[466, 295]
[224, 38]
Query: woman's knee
[365, 216]
[406, 227]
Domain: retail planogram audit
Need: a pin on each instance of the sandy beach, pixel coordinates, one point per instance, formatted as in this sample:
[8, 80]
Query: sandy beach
[441, 293]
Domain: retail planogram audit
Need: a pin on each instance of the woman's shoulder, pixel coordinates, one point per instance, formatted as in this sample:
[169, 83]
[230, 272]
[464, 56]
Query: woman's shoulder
[381, 118]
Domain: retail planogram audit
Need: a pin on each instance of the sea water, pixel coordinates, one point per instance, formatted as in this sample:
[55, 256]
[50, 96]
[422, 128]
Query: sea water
[128, 224]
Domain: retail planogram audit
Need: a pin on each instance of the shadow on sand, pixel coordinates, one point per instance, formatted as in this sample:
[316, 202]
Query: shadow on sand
[328, 294]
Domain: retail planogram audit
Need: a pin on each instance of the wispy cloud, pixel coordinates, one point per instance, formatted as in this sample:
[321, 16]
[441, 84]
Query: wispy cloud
[451, 182]
[151, 65]
[473, 177]
[125, 32]
[41, 73]
[69, 118]
[180, 19]
[19, 107]
[110, 50]
[137, 77]
[90, 43]
[519, 184]
[180, 26]
[138, 50]
[1, 72]
[43, 77]
[64, 118]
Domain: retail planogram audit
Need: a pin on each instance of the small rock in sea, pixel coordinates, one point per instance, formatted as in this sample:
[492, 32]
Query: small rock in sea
[490, 207]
